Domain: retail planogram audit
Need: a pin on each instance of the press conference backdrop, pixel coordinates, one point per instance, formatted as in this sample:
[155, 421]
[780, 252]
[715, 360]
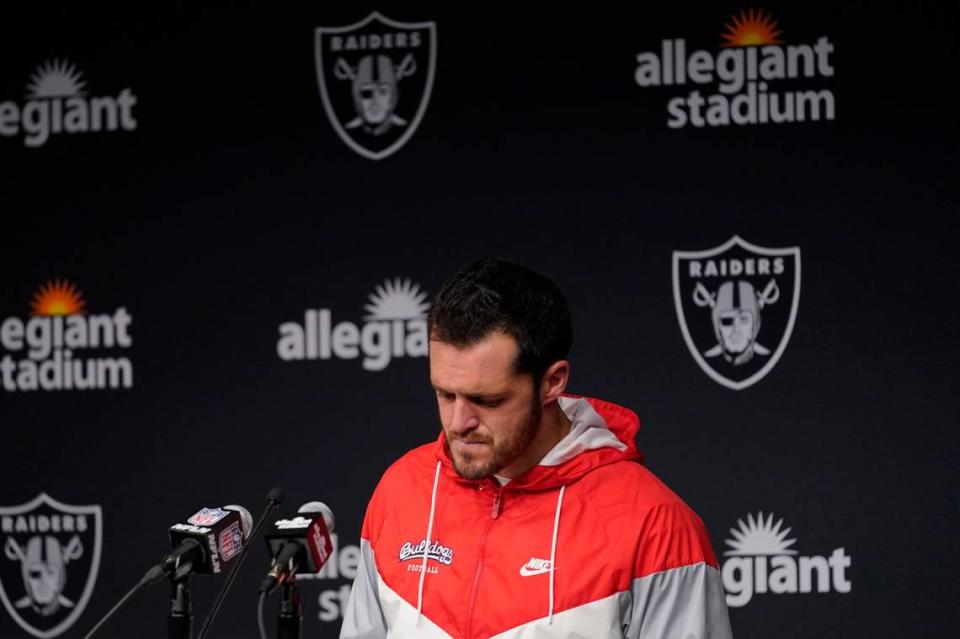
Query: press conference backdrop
[223, 226]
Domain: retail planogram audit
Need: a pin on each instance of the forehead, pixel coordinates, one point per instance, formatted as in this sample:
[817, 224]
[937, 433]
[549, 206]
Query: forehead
[487, 366]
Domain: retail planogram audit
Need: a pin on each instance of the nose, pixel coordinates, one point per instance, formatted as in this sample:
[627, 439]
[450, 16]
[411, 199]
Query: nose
[463, 420]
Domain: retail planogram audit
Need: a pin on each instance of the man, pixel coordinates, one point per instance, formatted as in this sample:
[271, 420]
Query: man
[531, 515]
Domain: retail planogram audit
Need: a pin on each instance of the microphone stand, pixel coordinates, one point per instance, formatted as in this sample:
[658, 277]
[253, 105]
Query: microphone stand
[291, 611]
[180, 618]
[151, 576]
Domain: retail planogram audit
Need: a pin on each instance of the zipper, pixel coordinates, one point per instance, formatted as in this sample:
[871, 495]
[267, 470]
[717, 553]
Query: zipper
[494, 514]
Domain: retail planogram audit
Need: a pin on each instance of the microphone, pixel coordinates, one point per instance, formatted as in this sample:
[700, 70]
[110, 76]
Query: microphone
[274, 497]
[298, 542]
[208, 542]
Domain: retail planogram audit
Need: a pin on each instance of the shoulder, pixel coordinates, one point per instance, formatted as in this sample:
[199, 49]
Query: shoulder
[651, 517]
[628, 487]
[402, 481]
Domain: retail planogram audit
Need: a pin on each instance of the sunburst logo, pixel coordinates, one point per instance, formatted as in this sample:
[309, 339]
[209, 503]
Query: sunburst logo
[751, 28]
[761, 561]
[56, 79]
[58, 297]
[759, 536]
[397, 300]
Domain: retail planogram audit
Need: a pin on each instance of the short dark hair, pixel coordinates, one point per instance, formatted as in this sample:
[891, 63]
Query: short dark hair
[493, 294]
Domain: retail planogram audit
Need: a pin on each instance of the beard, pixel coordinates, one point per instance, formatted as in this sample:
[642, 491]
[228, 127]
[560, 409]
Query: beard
[503, 452]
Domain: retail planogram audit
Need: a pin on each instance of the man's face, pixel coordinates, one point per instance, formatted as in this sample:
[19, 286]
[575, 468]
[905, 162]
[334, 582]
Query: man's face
[489, 412]
[736, 330]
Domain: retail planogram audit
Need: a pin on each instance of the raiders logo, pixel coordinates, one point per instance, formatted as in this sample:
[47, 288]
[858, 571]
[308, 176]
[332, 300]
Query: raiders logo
[736, 304]
[375, 80]
[51, 554]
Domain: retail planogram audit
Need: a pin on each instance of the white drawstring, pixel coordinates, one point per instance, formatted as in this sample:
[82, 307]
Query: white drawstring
[553, 551]
[426, 544]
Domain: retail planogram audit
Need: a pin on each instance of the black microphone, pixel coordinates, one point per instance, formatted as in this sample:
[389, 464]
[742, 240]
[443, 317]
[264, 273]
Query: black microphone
[298, 542]
[274, 497]
[208, 542]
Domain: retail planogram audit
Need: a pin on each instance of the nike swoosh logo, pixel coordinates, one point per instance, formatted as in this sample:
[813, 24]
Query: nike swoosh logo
[529, 572]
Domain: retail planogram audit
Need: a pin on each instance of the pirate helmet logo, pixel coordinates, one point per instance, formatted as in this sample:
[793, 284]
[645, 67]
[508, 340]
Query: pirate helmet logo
[741, 286]
[375, 88]
[51, 554]
[375, 80]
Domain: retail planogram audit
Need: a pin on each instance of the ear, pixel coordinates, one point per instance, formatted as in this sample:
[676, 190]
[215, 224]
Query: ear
[554, 381]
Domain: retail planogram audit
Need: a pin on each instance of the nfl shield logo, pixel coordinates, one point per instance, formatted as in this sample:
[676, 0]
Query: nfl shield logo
[737, 304]
[231, 542]
[207, 516]
[51, 555]
[375, 80]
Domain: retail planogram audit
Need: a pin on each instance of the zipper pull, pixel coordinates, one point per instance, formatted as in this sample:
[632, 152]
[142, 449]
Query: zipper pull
[496, 506]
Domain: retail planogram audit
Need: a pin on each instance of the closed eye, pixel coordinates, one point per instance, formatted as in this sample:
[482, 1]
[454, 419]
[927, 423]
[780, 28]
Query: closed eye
[487, 402]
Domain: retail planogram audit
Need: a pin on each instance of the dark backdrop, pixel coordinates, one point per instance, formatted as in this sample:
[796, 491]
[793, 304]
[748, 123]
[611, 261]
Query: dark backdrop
[233, 206]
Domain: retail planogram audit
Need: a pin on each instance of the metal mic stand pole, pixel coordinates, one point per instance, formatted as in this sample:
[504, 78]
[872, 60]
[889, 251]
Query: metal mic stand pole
[291, 612]
[180, 619]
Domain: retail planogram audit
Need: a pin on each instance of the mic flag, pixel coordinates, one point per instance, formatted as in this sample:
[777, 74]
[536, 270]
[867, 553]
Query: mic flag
[208, 542]
[299, 543]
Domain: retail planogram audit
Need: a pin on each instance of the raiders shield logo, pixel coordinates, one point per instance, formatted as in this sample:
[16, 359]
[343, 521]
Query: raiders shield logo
[736, 305]
[375, 79]
[51, 554]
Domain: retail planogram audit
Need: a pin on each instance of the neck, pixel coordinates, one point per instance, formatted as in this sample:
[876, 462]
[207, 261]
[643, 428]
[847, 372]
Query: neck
[553, 427]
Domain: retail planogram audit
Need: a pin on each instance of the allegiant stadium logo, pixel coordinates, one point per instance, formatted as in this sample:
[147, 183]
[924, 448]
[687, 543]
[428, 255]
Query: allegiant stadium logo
[395, 326]
[761, 560]
[58, 102]
[742, 81]
[63, 347]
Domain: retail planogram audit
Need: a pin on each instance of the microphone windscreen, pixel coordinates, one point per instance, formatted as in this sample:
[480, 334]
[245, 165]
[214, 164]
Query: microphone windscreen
[246, 519]
[275, 495]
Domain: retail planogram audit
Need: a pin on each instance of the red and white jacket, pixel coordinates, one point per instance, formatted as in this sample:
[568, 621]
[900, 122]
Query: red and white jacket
[588, 543]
